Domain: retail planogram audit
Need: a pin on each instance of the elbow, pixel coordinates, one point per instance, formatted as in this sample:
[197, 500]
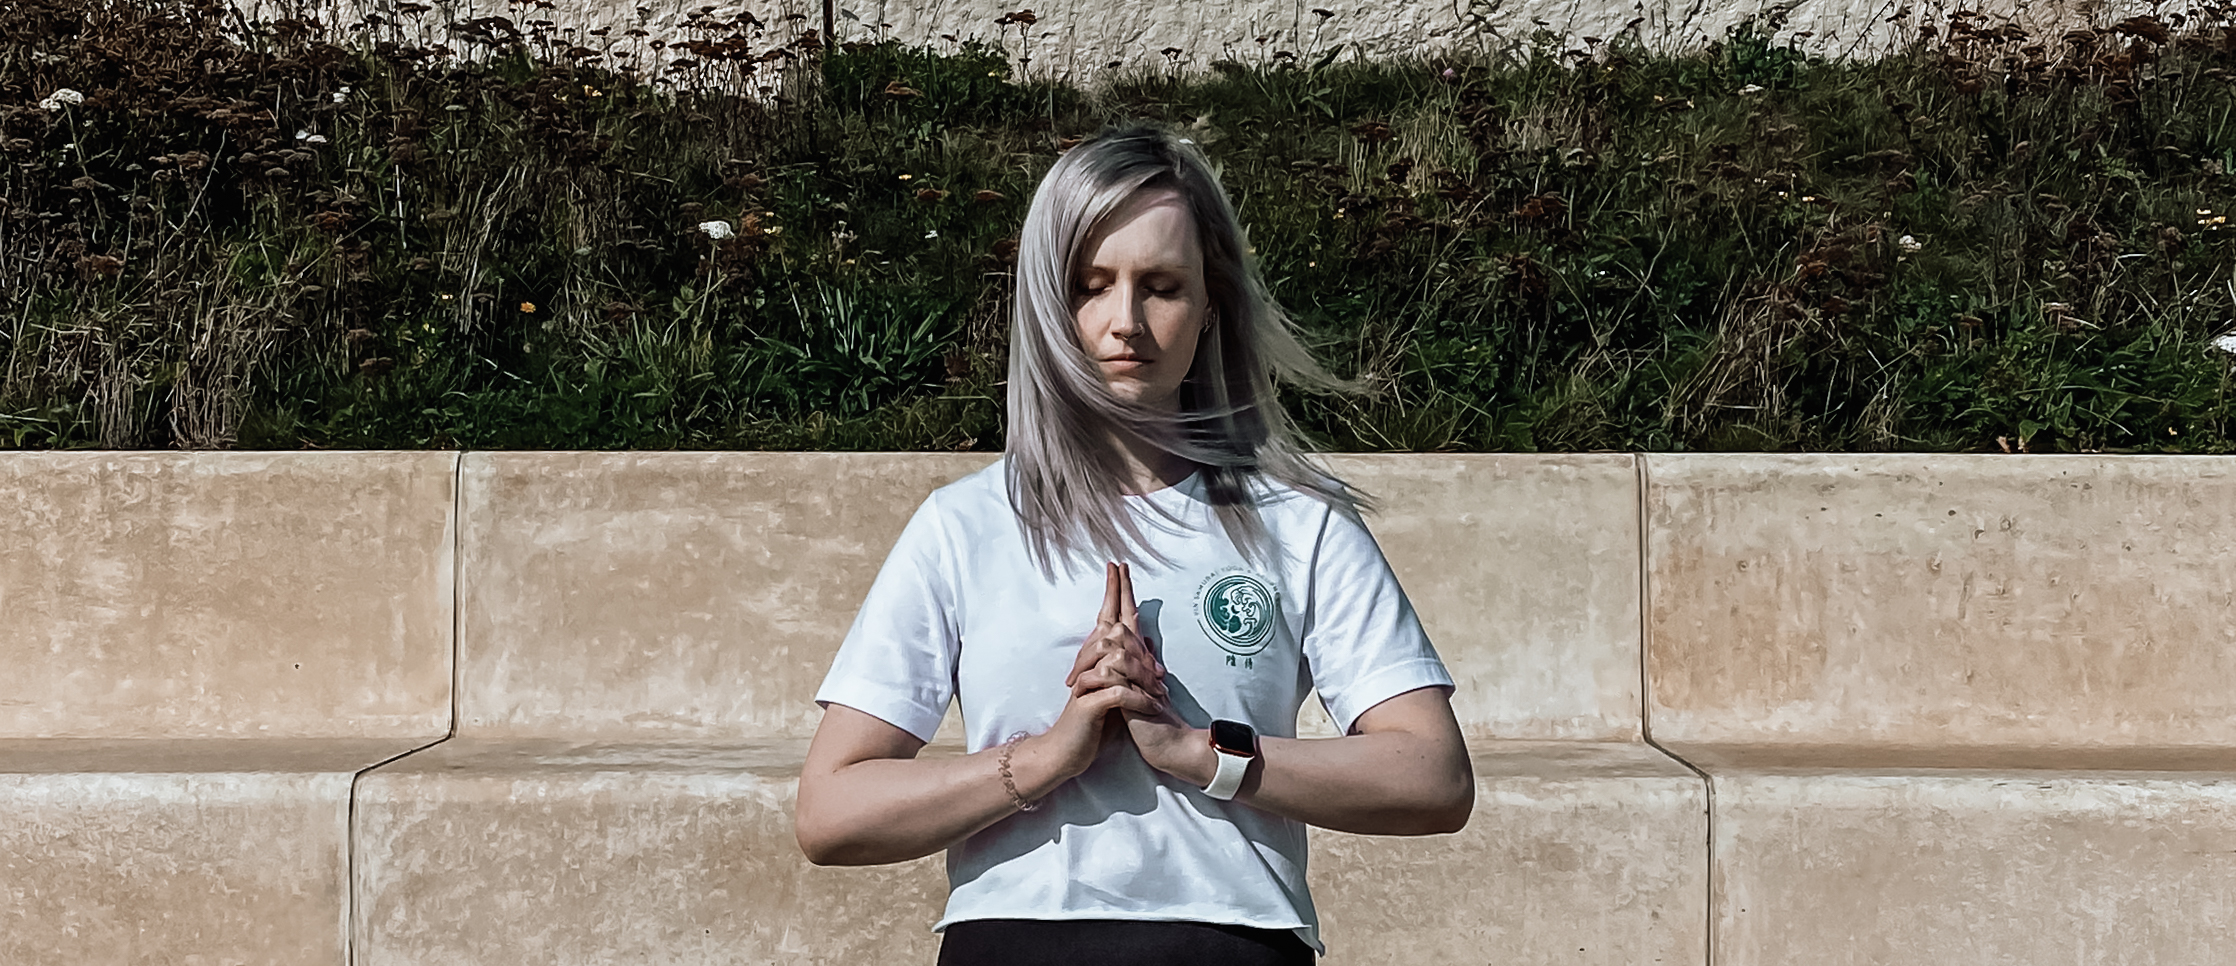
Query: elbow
[1452, 814]
[1446, 810]
[1447, 806]
[818, 848]
[821, 843]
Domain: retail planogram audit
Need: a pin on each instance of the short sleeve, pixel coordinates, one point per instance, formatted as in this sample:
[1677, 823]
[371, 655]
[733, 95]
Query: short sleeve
[1362, 641]
[898, 660]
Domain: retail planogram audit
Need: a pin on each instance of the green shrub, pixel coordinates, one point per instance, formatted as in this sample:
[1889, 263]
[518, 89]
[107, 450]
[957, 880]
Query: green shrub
[295, 234]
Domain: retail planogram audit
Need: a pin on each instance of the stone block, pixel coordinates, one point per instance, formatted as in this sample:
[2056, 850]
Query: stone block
[699, 597]
[98, 869]
[593, 855]
[1925, 869]
[2072, 612]
[566, 853]
[1577, 853]
[669, 596]
[198, 604]
[1524, 569]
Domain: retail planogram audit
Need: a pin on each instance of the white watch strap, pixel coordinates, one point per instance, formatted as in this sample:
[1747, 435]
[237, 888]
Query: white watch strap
[1228, 780]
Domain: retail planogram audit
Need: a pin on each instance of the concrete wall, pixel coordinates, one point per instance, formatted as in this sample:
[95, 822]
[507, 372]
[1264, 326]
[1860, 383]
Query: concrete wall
[406, 708]
[1079, 39]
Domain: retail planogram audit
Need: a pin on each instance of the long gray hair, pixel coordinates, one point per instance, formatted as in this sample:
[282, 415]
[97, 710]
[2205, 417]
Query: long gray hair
[1064, 476]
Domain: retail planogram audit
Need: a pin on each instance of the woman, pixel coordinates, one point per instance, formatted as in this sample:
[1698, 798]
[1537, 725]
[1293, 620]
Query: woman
[1137, 798]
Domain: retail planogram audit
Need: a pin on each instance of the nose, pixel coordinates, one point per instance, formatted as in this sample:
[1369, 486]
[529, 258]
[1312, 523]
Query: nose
[1132, 318]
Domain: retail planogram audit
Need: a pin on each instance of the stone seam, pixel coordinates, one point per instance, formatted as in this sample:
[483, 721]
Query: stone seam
[457, 582]
[1646, 708]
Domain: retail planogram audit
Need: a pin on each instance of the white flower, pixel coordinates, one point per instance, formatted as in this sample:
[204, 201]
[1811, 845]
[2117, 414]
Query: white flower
[717, 230]
[2226, 343]
[1909, 243]
[1752, 89]
[934, 233]
[308, 138]
[60, 97]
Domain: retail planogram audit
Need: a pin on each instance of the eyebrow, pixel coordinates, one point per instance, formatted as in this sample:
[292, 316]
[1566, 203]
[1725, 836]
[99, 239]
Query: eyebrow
[1151, 270]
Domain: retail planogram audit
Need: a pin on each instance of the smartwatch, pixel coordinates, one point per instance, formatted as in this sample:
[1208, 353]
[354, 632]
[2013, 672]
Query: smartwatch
[1236, 744]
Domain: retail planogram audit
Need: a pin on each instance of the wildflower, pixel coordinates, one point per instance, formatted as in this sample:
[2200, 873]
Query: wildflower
[1909, 243]
[1752, 89]
[340, 95]
[934, 233]
[717, 230]
[2226, 343]
[60, 97]
[528, 307]
[1450, 74]
[907, 177]
[308, 138]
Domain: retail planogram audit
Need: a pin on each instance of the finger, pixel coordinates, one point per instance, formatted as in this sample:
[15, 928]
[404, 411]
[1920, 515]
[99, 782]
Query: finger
[1132, 667]
[1089, 655]
[1110, 578]
[1123, 699]
[1096, 679]
[1127, 615]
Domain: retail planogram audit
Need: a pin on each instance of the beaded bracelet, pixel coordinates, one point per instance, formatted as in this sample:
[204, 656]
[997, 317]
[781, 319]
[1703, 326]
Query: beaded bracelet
[1009, 782]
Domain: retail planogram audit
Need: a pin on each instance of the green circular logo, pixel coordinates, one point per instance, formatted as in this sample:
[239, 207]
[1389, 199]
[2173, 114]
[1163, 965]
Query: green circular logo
[1238, 610]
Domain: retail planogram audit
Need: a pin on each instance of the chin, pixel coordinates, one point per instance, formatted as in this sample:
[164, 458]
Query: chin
[1142, 395]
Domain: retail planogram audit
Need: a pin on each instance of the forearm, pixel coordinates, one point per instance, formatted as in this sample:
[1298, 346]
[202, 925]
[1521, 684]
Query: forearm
[1378, 784]
[895, 809]
[1402, 771]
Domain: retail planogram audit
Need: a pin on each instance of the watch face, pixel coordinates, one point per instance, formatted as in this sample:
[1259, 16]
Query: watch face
[1234, 738]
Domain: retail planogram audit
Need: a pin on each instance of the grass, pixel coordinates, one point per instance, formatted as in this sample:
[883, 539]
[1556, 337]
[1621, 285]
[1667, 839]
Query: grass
[300, 234]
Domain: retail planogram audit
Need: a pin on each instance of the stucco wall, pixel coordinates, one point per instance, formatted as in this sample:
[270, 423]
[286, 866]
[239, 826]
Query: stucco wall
[549, 707]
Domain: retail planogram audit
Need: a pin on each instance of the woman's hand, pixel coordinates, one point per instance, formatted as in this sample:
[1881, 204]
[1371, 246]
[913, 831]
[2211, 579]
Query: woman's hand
[1117, 656]
[1114, 676]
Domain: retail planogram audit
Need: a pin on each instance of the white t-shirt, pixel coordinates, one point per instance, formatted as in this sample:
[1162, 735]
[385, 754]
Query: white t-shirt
[961, 610]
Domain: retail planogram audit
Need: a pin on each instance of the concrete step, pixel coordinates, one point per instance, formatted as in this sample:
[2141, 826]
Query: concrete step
[174, 868]
[504, 852]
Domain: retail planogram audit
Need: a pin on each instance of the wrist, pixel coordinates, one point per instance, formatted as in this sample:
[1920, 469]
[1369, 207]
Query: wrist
[1184, 753]
[1037, 769]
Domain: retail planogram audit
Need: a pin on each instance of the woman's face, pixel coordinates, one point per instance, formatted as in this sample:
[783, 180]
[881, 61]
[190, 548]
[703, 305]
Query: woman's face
[1139, 298]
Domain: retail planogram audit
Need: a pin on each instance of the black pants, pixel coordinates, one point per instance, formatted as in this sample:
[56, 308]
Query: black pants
[1116, 942]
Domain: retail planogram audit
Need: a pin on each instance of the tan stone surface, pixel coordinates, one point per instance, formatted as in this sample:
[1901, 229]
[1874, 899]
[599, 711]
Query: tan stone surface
[669, 596]
[1524, 569]
[699, 597]
[618, 854]
[2003, 870]
[1593, 858]
[225, 596]
[173, 869]
[1861, 611]
[583, 866]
